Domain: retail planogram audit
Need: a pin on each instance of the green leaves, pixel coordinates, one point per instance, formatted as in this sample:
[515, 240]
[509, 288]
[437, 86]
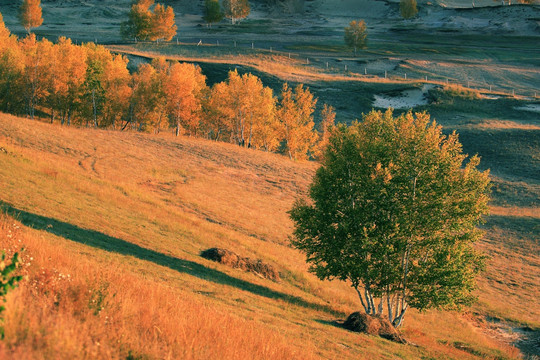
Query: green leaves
[8, 281]
[394, 210]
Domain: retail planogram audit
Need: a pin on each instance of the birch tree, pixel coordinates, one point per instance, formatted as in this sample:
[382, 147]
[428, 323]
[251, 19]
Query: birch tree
[295, 112]
[356, 35]
[30, 14]
[393, 211]
[236, 9]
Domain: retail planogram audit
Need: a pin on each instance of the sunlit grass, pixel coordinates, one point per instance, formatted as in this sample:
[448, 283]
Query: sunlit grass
[126, 216]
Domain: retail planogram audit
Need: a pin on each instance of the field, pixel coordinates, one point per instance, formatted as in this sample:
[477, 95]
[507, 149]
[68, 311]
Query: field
[126, 216]
[113, 223]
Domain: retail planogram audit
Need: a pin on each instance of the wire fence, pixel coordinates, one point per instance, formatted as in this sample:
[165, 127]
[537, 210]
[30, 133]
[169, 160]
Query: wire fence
[344, 65]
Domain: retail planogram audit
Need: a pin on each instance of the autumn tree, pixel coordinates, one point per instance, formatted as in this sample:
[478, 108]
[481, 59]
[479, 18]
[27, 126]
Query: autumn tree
[30, 14]
[244, 108]
[70, 69]
[36, 75]
[163, 23]
[212, 12]
[328, 120]
[393, 211]
[147, 103]
[12, 63]
[356, 35]
[146, 24]
[183, 91]
[139, 23]
[236, 9]
[115, 81]
[217, 122]
[407, 8]
[295, 112]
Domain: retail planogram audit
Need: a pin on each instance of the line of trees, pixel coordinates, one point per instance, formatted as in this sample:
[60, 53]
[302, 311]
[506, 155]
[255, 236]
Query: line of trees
[87, 85]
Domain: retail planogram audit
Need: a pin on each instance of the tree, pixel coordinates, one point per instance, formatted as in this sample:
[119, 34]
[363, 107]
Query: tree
[244, 108]
[147, 103]
[12, 63]
[30, 14]
[36, 76]
[145, 24]
[356, 35]
[328, 120]
[70, 67]
[407, 8]
[139, 23]
[183, 88]
[236, 9]
[295, 112]
[394, 212]
[212, 12]
[163, 23]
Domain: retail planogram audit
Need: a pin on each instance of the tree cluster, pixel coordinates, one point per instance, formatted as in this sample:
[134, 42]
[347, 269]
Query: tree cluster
[393, 211]
[88, 85]
[149, 22]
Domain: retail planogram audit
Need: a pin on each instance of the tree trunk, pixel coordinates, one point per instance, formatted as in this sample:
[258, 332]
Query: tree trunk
[94, 106]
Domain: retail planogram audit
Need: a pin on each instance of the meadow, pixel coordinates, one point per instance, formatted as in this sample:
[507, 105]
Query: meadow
[113, 222]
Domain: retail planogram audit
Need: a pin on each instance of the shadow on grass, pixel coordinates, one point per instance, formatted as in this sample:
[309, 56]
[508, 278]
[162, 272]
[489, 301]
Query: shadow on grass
[102, 241]
[334, 323]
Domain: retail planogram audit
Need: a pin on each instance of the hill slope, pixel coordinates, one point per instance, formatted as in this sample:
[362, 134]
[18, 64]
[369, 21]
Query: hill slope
[114, 224]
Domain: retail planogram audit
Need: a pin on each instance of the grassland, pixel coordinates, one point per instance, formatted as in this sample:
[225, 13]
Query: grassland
[113, 224]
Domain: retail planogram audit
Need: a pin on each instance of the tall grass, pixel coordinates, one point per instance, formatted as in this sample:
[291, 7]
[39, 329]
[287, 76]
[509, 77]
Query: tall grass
[114, 223]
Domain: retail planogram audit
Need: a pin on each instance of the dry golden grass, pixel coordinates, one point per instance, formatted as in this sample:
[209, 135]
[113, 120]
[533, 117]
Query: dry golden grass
[126, 216]
[286, 69]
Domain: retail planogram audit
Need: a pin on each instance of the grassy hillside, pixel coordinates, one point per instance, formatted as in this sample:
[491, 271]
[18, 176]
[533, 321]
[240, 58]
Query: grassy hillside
[113, 224]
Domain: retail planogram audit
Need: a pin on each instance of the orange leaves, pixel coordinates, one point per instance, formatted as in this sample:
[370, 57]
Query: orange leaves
[30, 14]
[296, 114]
[146, 24]
[163, 26]
[183, 87]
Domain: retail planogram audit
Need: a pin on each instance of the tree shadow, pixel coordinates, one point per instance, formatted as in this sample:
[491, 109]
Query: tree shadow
[105, 242]
[334, 323]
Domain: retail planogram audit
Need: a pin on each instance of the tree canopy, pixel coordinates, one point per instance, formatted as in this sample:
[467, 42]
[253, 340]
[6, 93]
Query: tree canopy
[30, 14]
[394, 210]
[236, 9]
[356, 35]
[407, 8]
[146, 24]
[212, 11]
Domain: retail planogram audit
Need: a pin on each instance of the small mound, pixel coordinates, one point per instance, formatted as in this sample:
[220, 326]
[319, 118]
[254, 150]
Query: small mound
[226, 257]
[373, 325]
